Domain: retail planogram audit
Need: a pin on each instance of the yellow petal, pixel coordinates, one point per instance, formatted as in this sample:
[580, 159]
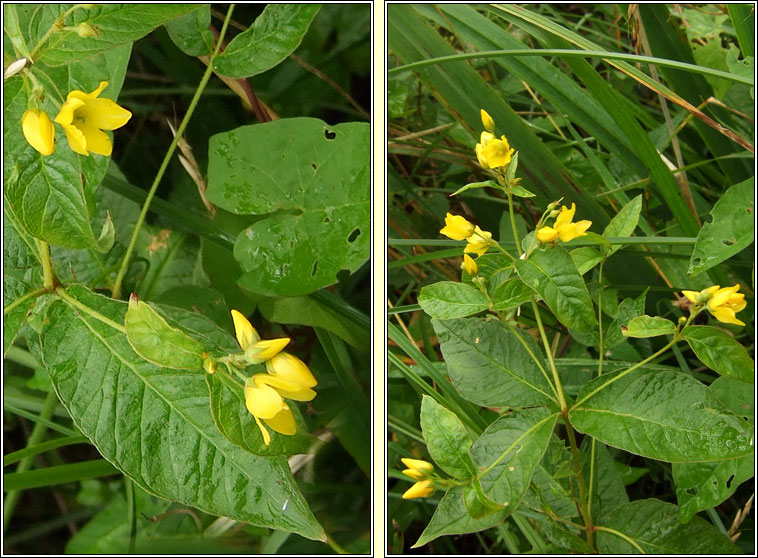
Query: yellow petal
[243, 329]
[97, 141]
[418, 464]
[274, 382]
[104, 114]
[457, 227]
[420, 490]
[66, 115]
[96, 92]
[721, 296]
[497, 152]
[469, 265]
[726, 315]
[691, 296]
[565, 216]
[547, 234]
[264, 432]
[76, 140]
[262, 401]
[487, 121]
[39, 130]
[480, 156]
[485, 138]
[265, 349]
[291, 368]
[415, 474]
[283, 422]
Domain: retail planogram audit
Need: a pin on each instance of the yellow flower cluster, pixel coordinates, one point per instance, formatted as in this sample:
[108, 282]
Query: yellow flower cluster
[419, 470]
[83, 117]
[491, 151]
[458, 228]
[722, 302]
[288, 377]
[563, 228]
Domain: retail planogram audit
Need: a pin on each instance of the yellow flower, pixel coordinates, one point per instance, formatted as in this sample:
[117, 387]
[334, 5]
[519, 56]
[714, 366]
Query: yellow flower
[418, 469]
[696, 297]
[84, 116]
[457, 227]
[563, 228]
[495, 152]
[39, 130]
[256, 350]
[725, 302]
[287, 368]
[484, 139]
[265, 403]
[487, 121]
[469, 265]
[421, 489]
[478, 242]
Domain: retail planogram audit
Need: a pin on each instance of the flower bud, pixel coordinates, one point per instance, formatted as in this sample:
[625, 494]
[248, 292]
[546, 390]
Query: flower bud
[39, 130]
[86, 30]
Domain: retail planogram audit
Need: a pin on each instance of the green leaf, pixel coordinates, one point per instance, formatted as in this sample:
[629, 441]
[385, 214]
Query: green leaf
[510, 294]
[154, 424]
[735, 395]
[585, 258]
[476, 502]
[701, 486]
[629, 308]
[521, 192]
[660, 414]
[274, 35]
[648, 326]
[624, 223]
[448, 299]
[191, 32]
[238, 425]
[451, 518]
[608, 491]
[731, 230]
[58, 474]
[507, 452]
[154, 340]
[720, 351]
[552, 274]
[308, 311]
[472, 185]
[115, 25]
[654, 526]
[314, 180]
[446, 439]
[490, 365]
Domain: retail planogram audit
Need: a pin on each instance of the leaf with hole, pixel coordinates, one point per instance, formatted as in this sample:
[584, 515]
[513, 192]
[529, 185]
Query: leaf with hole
[314, 182]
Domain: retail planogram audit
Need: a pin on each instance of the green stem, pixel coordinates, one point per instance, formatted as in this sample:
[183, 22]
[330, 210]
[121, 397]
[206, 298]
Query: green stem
[554, 370]
[627, 371]
[48, 277]
[622, 536]
[577, 466]
[334, 546]
[513, 220]
[39, 430]
[600, 320]
[169, 154]
[592, 476]
[23, 298]
[87, 310]
[54, 28]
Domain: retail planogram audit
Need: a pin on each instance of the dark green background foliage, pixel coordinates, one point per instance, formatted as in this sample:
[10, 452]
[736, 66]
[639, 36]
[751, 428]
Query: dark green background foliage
[191, 449]
[673, 450]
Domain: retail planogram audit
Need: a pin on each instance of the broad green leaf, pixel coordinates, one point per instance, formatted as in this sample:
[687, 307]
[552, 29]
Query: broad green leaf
[191, 32]
[490, 365]
[472, 185]
[12, 29]
[309, 311]
[448, 299]
[507, 452]
[238, 425]
[446, 439]
[629, 308]
[585, 258]
[22, 273]
[203, 300]
[274, 35]
[608, 490]
[314, 180]
[735, 395]
[154, 340]
[155, 425]
[624, 223]
[648, 326]
[630, 475]
[660, 414]
[701, 486]
[451, 518]
[552, 274]
[476, 502]
[731, 230]
[51, 196]
[545, 489]
[114, 24]
[720, 351]
[564, 539]
[510, 294]
[654, 526]
[494, 267]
